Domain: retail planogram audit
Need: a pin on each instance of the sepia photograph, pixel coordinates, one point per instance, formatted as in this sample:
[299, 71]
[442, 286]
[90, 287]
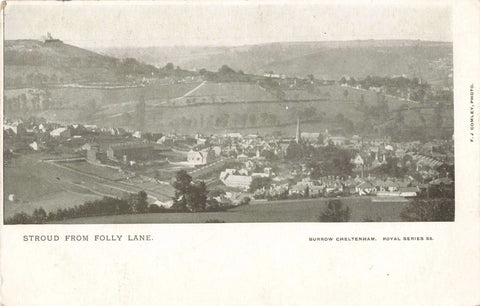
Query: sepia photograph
[241, 152]
[227, 113]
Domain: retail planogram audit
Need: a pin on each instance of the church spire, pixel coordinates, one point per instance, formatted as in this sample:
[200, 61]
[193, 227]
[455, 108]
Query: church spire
[298, 137]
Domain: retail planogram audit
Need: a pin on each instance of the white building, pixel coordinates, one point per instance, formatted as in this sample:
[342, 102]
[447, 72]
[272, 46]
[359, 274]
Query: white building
[197, 157]
[235, 181]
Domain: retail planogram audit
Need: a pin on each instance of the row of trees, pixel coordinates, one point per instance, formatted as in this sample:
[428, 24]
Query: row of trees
[377, 81]
[31, 100]
[419, 210]
[34, 79]
[406, 123]
[225, 120]
[416, 88]
[225, 74]
[222, 120]
[128, 204]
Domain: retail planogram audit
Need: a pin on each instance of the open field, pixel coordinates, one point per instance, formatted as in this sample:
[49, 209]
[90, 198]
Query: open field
[100, 171]
[221, 107]
[281, 211]
[53, 185]
[247, 113]
[38, 184]
[256, 116]
[226, 92]
[103, 97]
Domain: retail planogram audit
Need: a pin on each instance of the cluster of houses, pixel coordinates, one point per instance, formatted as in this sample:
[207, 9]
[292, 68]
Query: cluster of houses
[96, 144]
[368, 153]
[257, 155]
[372, 154]
[36, 136]
[334, 186]
[281, 186]
[243, 178]
[235, 145]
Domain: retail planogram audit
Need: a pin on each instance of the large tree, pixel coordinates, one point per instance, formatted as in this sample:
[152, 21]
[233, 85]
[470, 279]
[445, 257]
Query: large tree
[182, 186]
[259, 183]
[331, 160]
[429, 210]
[335, 211]
[189, 196]
[39, 215]
[197, 197]
[138, 202]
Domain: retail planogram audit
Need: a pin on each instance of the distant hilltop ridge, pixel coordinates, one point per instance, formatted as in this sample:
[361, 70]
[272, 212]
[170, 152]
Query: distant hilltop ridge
[29, 62]
[51, 53]
[329, 60]
[430, 60]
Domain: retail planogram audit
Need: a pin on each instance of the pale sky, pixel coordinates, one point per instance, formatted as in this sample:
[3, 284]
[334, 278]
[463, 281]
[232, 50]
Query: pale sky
[93, 24]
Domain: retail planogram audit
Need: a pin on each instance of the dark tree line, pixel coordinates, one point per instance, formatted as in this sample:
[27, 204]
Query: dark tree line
[226, 74]
[442, 209]
[419, 210]
[128, 204]
[417, 88]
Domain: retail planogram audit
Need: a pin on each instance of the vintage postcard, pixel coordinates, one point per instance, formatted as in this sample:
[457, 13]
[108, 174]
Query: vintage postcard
[307, 129]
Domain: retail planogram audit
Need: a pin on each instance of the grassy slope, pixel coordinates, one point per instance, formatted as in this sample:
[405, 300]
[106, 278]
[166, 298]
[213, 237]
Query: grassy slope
[50, 186]
[23, 57]
[375, 57]
[289, 211]
[331, 103]
[230, 99]
[40, 187]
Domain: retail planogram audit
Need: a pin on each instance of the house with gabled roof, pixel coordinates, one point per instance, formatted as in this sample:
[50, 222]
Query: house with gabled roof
[198, 157]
